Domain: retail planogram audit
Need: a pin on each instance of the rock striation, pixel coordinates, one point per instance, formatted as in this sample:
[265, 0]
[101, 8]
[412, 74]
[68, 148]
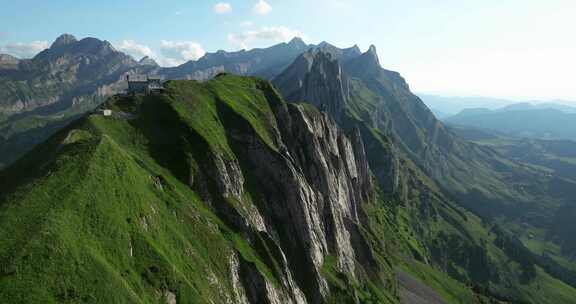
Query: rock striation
[311, 191]
[316, 77]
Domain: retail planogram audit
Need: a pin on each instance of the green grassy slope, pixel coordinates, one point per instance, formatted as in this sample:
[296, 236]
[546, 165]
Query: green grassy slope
[106, 224]
[552, 242]
[20, 133]
[458, 247]
[107, 211]
[104, 212]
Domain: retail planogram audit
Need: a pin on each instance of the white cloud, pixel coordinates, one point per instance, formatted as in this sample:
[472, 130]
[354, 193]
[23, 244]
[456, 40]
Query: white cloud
[247, 23]
[177, 52]
[264, 34]
[171, 53]
[24, 50]
[222, 8]
[136, 50]
[262, 7]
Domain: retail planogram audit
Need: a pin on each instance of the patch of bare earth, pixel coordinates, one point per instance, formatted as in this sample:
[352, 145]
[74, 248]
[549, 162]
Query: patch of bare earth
[413, 291]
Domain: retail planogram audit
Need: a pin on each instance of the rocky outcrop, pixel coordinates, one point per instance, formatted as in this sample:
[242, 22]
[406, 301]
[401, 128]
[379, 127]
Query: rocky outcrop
[316, 77]
[8, 62]
[341, 55]
[296, 195]
[311, 188]
[64, 39]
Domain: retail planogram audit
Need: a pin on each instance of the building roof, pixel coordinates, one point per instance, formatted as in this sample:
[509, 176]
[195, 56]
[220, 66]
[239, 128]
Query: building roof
[142, 78]
[137, 78]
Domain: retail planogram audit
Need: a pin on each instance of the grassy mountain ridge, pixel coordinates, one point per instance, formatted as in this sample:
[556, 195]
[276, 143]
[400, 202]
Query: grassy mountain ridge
[125, 209]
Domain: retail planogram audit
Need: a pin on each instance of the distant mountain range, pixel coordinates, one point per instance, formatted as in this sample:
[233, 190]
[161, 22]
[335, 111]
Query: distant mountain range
[39, 95]
[444, 106]
[558, 156]
[524, 120]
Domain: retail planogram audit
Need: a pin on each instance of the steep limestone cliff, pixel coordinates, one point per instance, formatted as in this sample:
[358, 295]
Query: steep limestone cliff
[316, 77]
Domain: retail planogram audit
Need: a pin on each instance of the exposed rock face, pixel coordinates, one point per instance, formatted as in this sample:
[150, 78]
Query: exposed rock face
[317, 78]
[8, 62]
[414, 156]
[338, 53]
[315, 191]
[382, 101]
[238, 287]
[326, 81]
[311, 191]
[64, 39]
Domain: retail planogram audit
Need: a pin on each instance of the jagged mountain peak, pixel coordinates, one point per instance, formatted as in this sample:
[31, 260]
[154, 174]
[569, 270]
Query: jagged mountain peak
[372, 55]
[372, 49]
[297, 42]
[341, 54]
[64, 39]
[325, 46]
[147, 61]
[367, 64]
[95, 43]
[316, 77]
[67, 45]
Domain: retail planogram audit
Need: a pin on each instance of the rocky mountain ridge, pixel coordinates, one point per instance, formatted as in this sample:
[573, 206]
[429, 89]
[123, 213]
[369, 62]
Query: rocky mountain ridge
[409, 147]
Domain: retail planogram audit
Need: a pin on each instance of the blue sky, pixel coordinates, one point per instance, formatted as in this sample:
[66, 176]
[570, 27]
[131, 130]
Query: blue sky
[502, 48]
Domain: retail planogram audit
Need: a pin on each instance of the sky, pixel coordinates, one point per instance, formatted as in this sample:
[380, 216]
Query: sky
[519, 49]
